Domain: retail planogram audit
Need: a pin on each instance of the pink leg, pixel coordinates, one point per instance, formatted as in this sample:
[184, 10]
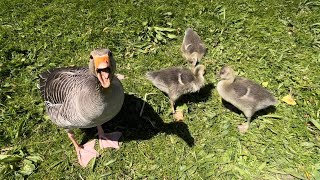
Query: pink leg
[172, 106]
[86, 152]
[244, 127]
[108, 140]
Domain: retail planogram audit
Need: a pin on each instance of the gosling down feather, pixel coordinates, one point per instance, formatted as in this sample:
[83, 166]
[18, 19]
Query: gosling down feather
[177, 81]
[84, 97]
[244, 94]
[192, 47]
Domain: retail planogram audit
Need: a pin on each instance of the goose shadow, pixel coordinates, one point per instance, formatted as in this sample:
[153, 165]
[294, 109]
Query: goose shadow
[144, 127]
[270, 109]
[201, 96]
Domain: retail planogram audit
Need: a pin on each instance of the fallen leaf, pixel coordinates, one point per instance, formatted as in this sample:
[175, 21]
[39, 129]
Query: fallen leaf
[178, 115]
[289, 100]
[120, 76]
[265, 84]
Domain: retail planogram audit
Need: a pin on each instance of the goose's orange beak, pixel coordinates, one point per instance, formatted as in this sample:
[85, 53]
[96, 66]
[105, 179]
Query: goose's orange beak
[103, 69]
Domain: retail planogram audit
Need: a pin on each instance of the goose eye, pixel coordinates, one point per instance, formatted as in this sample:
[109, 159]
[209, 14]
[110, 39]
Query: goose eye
[91, 57]
[110, 53]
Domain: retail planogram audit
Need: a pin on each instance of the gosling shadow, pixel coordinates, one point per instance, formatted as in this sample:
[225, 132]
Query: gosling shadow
[270, 109]
[141, 127]
[201, 96]
[231, 107]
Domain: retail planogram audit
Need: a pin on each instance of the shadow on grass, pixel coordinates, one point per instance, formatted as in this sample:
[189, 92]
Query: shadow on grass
[270, 109]
[203, 95]
[230, 107]
[134, 127]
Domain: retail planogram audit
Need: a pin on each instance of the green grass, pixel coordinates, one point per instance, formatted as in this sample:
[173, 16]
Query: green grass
[268, 41]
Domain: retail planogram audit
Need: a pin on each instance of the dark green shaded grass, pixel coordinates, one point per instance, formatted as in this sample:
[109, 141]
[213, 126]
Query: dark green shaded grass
[267, 41]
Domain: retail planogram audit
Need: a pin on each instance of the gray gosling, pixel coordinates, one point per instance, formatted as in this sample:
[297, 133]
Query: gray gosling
[192, 47]
[244, 94]
[178, 81]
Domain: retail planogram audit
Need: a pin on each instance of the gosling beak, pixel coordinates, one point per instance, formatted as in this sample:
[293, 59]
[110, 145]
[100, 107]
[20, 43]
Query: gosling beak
[103, 69]
[195, 62]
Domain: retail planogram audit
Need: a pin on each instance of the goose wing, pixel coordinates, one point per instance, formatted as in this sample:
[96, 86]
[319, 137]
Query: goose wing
[240, 87]
[56, 84]
[185, 76]
[249, 89]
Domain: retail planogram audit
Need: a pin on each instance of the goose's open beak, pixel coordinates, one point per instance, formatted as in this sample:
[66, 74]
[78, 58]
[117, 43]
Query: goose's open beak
[103, 69]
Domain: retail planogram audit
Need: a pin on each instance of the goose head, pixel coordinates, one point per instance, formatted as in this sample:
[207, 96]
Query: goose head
[103, 66]
[226, 73]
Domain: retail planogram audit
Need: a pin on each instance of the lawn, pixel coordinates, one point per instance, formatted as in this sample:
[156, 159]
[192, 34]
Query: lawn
[275, 43]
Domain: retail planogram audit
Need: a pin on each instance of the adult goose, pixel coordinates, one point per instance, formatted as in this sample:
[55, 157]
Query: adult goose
[244, 94]
[84, 97]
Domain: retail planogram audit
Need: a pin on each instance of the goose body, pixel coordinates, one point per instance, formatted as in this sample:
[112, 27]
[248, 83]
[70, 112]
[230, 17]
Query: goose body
[245, 94]
[192, 47]
[177, 81]
[84, 97]
[74, 98]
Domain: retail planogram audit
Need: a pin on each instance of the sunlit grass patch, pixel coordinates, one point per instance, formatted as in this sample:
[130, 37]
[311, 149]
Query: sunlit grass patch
[273, 43]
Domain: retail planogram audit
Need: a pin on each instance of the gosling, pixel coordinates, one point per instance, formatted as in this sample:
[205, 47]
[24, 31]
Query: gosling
[176, 82]
[244, 94]
[192, 47]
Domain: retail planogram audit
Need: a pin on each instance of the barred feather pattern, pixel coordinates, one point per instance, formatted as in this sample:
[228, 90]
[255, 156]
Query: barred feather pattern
[74, 97]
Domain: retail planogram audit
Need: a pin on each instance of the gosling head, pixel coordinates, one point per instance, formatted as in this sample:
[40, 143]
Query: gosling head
[102, 65]
[195, 58]
[199, 70]
[226, 73]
